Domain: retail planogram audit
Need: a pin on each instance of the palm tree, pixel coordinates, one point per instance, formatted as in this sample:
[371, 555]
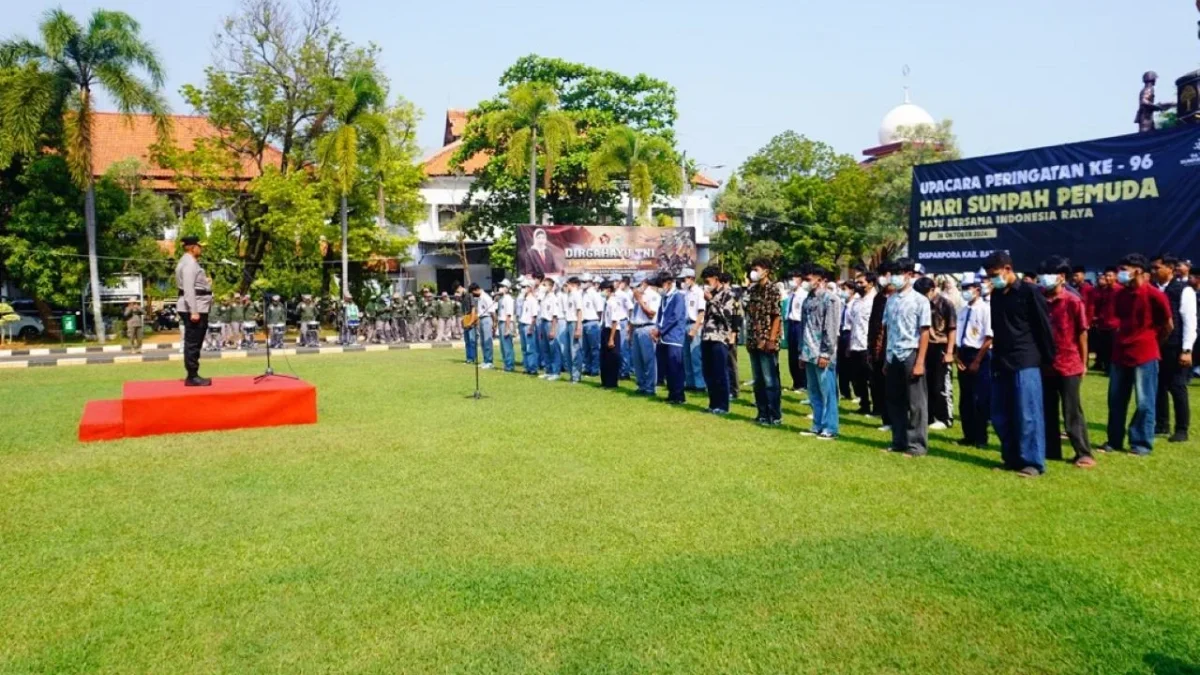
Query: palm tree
[644, 161]
[531, 118]
[107, 54]
[356, 101]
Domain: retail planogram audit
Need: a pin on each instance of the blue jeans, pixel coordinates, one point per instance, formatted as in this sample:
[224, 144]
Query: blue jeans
[506, 344]
[569, 346]
[767, 392]
[823, 393]
[529, 353]
[548, 353]
[716, 373]
[626, 351]
[673, 360]
[1123, 382]
[590, 352]
[485, 337]
[645, 364]
[692, 362]
[469, 338]
[1018, 414]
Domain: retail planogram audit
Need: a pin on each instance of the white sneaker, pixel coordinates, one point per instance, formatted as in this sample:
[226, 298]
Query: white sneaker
[937, 426]
[854, 401]
[885, 428]
[812, 416]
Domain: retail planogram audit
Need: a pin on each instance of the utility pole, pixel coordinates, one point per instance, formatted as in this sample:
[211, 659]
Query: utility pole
[686, 188]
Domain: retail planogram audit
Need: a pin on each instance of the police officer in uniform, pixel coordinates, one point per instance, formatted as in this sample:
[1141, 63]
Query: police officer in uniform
[276, 322]
[194, 304]
[307, 311]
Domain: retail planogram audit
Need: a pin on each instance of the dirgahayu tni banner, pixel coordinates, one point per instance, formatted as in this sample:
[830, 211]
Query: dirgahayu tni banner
[1092, 202]
[568, 250]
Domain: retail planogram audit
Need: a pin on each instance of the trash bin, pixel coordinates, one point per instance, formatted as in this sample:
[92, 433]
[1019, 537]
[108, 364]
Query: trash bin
[68, 324]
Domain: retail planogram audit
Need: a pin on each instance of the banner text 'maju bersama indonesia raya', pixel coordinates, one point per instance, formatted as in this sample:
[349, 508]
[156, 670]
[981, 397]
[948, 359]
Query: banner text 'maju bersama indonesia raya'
[1092, 202]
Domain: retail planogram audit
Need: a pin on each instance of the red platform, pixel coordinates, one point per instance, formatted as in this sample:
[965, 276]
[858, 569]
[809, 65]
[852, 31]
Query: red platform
[168, 407]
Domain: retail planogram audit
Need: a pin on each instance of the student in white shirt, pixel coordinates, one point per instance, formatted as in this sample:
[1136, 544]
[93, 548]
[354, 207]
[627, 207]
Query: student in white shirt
[612, 318]
[793, 312]
[625, 295]
[590, 310]
[506, 328]
[549, 317]
[485, 309]
[570, 338]
[693, 365]
[974, 362]
[858, 316]
[529, 327]
[646, 303]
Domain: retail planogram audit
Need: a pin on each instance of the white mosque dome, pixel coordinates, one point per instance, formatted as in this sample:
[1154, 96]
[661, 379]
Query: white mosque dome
[907, 114]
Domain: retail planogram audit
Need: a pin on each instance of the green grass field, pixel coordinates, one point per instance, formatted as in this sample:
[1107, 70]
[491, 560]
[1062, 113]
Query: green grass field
[560, 528]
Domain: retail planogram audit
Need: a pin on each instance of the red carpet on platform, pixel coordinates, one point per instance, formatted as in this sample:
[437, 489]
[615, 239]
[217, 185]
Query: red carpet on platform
[168, 407]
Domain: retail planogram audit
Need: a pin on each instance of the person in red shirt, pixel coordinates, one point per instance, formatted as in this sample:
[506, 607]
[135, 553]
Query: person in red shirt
[1143, 317]
[1084, 288]
[1103, 319]
[1062, 379]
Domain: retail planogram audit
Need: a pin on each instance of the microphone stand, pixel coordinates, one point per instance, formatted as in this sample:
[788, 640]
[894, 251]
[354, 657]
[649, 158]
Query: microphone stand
[270, 372]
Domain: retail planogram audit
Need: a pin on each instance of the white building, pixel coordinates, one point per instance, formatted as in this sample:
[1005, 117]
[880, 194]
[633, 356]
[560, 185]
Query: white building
[435, 258]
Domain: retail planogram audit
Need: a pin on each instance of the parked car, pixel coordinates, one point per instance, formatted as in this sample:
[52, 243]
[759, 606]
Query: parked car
[28, 328]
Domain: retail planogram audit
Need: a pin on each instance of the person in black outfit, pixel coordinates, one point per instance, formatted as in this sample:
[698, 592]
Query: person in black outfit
[876, 342]
[1175, 369]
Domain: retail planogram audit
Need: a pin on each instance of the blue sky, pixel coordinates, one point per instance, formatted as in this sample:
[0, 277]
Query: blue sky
[1011, 74]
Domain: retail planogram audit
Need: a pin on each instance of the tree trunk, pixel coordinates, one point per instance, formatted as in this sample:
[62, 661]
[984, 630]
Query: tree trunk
[382, 207]
[629, 208]
[533, 177]
[89, 218]
[345, 251]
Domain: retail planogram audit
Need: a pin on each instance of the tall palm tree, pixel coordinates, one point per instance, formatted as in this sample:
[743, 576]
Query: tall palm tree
[108, 54]
[644, 161]
[531, 118]
[357, 98]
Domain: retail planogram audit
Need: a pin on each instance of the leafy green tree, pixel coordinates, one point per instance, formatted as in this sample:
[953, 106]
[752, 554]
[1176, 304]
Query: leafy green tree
[356, 100]
[530, 120]
[595, 100]
[645, 163]
[108, 54]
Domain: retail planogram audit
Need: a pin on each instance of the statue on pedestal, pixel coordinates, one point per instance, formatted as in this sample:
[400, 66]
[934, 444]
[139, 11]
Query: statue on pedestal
[1146, 105]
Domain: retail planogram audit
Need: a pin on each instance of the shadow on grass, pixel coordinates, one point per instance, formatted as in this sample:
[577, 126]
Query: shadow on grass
[1161, 664]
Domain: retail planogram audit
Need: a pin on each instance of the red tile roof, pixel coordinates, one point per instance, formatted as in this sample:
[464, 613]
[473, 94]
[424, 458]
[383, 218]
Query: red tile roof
[117, 137]
[456, 124]
[700, 180]
[438, 164]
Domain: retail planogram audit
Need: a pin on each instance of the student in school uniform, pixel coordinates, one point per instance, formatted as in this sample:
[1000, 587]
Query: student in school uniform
[793, 312]
[505, 322]
[549, 316]
[612, 318]
[669, 335]
[646, 303]
[528, 320]
[906, 320]
[1062, 380]
[485, 312]
[570, 327]
[973, 358]
[591, 307]
[625, 294]
[693, 367]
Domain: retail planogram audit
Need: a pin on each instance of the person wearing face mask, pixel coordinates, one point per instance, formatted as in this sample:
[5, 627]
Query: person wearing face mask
[857, 362]
[669, 334]
[549, 313]
[646, 303]
[793, 313]
[714, 337]
[735, 328]
[819, 333]
[906, 322]
[693, 366]
[612, 317]
[845, 292]
[974, 362]
[528, 319]
[1144, 320]
[1104, 320]
[1175, 369]
[591, 307]
[762, 326]
[877, 346]
[1061, 382]
[942, 328]
[505, 320]
[1022, 346]
[625, 294]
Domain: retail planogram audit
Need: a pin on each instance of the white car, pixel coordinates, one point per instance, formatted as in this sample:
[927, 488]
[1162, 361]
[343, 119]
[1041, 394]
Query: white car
[27, 328]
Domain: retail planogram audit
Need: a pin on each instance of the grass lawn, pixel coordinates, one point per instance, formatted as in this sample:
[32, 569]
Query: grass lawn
[552, 527]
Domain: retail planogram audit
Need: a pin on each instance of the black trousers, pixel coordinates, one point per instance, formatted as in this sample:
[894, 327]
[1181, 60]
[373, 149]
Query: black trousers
[935, 373]
[1102, 344]
[797, 370]
[193, 340]
[1172, 380]
[844, 372]
[1059, 391]
[734, 386]
[715, 360]
[879, 389]
[610, 359]
[975, 397]
[859, 372]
